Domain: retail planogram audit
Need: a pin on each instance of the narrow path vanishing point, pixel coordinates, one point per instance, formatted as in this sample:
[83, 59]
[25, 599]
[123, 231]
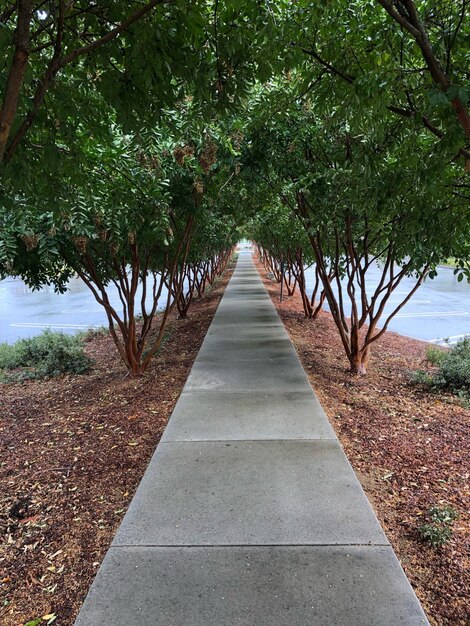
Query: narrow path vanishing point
[249, 512]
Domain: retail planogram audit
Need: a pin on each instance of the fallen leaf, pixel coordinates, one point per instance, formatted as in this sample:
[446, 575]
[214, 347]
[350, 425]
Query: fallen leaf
[32, 519]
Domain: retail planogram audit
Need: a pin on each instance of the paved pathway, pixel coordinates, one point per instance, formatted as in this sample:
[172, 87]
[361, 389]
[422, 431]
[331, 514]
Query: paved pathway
[249, 512]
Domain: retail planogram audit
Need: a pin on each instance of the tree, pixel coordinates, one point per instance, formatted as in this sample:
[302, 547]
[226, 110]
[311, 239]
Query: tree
[133, 222]
[362, 198]
[211, 247]
[445, 21]
[282, 240]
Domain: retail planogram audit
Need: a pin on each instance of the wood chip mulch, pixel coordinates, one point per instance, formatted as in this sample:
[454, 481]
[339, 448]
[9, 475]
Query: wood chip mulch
[72, 452]
[409, 448]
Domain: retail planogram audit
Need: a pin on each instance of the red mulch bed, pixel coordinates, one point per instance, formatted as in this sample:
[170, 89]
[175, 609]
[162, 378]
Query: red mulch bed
[409, 448]
[73, 451]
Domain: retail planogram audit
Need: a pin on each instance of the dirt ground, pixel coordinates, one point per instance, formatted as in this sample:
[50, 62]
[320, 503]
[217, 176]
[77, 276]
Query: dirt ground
[410, 449]
[72, 452]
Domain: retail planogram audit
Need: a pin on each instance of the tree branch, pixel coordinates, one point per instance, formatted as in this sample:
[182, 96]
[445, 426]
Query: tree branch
[56, 64]
[112, 34]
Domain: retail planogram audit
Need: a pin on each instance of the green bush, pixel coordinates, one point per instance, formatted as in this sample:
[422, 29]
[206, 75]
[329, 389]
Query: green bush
[10, 356]
[453, 369]
[421, 378]
[434, 354]
[46, 355]
[438, 530]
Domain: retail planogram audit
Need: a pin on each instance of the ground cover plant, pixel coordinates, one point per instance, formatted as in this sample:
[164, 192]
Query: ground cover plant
[46, 355]
[438, 529]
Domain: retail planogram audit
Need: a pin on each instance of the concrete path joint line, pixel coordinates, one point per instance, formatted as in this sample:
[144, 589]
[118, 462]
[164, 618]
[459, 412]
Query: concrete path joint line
[250, 546]
[227, 441]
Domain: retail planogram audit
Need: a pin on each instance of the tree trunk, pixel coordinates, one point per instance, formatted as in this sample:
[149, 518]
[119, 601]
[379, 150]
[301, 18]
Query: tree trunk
[17, 72]
[358, 367]
[359, 361]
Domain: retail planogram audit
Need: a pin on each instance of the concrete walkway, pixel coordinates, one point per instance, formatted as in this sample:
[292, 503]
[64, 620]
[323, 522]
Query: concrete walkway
[249, 512]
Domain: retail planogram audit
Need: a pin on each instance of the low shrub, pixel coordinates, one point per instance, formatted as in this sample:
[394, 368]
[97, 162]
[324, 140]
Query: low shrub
[434, 354]
[419, 377]
[46, 355]
[438, 530]
[95, 332]
[454, 368]
[452, 371]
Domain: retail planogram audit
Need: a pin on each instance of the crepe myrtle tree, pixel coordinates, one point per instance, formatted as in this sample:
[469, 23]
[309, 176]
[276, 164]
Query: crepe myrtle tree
[365, 201]
[367, 211]
[440, 32]
[210, 155]
[114, 228]
[115, 248]
[41, 40]
[276, 245]
[144, 239]
[214, 238]
[126, 225]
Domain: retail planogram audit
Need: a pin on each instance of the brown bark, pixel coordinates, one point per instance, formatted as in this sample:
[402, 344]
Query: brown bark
[462, 114]
[359, 365]
[16, 73]
[299, 274]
